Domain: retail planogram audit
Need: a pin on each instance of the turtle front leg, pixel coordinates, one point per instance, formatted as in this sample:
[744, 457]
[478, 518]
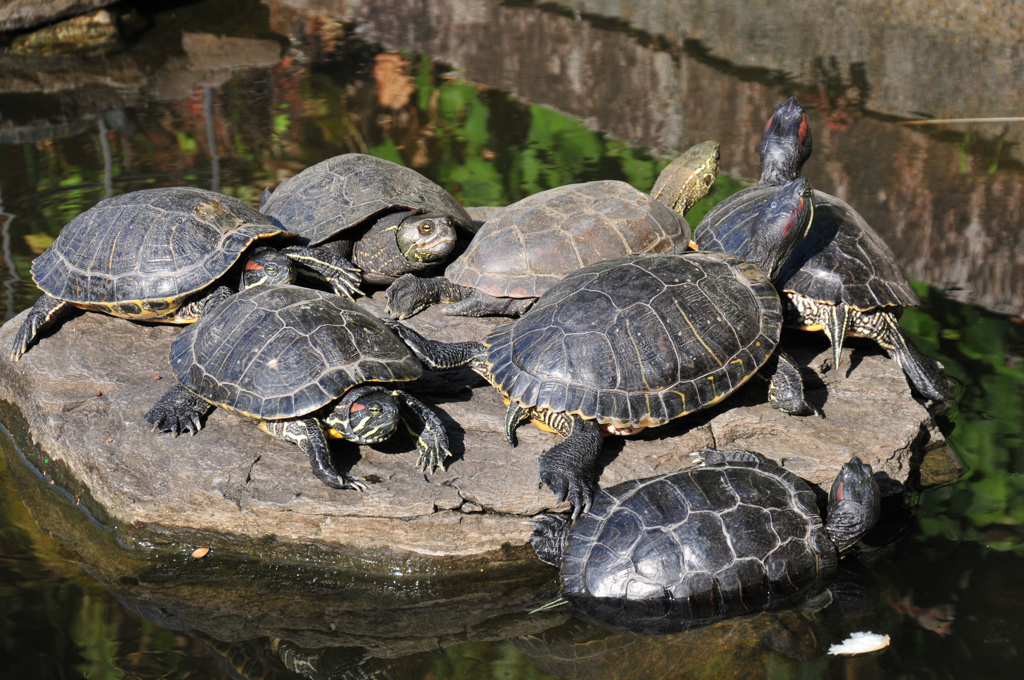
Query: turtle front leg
[410, 294]
[323, 263]
[46, 312]
[567, 468]
[179, 410]
[307, 434]
[428, 430]
[786, 387]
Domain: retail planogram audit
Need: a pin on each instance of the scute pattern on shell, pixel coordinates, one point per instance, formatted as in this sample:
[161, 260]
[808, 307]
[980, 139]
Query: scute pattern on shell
[529, 246]
[345, 190]
[705, 542]
[842, 259]
[639, 340]
[279, 352]
[153, 244]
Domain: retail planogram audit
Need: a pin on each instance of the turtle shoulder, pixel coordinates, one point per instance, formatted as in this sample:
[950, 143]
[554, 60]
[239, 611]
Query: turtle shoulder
[275, 352]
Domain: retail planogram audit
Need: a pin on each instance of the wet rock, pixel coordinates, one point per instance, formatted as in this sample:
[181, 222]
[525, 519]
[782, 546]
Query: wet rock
[83, 390]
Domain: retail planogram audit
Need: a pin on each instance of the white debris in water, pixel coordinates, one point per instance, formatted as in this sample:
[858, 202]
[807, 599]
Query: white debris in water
[860, 643]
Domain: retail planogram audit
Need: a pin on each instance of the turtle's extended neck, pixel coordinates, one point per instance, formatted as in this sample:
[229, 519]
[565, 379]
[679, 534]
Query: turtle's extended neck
[785, 145]
[780, 226]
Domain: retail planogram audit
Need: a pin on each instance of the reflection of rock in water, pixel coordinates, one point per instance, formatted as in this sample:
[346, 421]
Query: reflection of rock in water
[742, 647]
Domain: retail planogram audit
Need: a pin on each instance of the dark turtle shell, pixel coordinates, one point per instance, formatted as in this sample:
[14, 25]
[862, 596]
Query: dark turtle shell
[842, 259]
[700, 543]
[531, 245]
[140, 254]
[345, 191]
[275, 352]
[639, 340]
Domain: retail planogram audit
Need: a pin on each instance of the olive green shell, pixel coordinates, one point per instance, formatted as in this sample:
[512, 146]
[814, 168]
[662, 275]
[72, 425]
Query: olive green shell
[140, 254]
[345, 191]
[639, 340]
[275, 352]
[532, 244]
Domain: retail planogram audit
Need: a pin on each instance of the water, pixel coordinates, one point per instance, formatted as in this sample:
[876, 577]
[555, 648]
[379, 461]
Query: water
[948, 593]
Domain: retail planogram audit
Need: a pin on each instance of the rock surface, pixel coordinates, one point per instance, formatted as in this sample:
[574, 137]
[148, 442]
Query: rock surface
[83, 391]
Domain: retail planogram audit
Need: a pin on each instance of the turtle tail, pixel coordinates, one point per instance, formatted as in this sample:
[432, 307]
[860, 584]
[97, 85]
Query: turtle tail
[550, 533]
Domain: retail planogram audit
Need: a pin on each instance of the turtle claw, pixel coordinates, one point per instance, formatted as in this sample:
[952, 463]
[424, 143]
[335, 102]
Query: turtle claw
[353, 484]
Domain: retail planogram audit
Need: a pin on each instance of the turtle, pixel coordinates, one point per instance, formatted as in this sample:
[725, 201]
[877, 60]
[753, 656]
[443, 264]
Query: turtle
[301, 363]
[389, 219]
[529, 246]
[843, 279]
[737, 534]
[637, 341]
[151, 255]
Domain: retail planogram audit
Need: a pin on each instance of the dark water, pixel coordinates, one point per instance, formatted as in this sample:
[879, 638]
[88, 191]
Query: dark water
[948, 593]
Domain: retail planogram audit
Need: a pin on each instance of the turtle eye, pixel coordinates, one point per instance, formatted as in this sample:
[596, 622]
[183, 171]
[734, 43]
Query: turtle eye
[426, 228]
[272, 269]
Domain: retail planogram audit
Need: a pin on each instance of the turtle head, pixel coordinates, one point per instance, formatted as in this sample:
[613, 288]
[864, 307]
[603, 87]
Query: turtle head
[550, 533]
[267, 266]
[426, 237]
[785, 144]
[853, 504]
[689, 177]
[365, 415]
[781, 225]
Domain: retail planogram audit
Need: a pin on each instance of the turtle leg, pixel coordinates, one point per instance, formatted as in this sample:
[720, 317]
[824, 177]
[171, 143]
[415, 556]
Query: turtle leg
[924, 373]
[307, 434]
[46, 312]
[323, 263]
[438, 355]
[410, 294]
[478, 303]
[567, 468]
[836, 322]
[194, 307]
[428, 430]
[709, 457]
[786, 387]
[514, 415]
[179, 410]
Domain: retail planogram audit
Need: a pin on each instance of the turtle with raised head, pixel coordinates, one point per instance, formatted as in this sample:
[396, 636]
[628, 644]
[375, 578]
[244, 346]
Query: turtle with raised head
[304, 364]
[738, 534]
[382, 218]
[156, 255]
[843, 279]
[637, 341]
[529, 246]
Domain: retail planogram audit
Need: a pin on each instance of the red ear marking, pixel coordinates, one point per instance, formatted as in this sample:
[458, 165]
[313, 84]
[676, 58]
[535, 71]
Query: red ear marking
[251, 265]
[356, 407]
[803, 130]
[839, 492]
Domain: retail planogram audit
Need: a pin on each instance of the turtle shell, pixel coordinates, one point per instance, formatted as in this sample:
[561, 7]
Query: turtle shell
[529, 246]
[639, 340]
[138, 255]
[700, 543]
[345, 191]
[275, 352]
[842, 259]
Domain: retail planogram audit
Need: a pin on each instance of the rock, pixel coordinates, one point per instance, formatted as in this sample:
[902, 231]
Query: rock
[81, 393]
[18, 14]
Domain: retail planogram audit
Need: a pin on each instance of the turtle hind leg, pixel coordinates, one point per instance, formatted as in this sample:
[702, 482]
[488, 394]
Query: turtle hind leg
[45, 313]
[437, 355]
[478, 303]
[567, 468]
[786, 387]
[307, 434]
[548, 538]
[925, 374]
[410, 294]
[514, 414]
[179, 410]
[321, 262]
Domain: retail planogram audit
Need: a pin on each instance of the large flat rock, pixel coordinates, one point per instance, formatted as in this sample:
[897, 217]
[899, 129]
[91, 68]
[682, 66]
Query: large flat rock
[83, 390]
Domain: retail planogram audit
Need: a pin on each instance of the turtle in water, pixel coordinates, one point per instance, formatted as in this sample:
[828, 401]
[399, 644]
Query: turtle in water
[636, 342]
[843, 279]
[389, 219]
[738, 534]
[531, 245]
[155, 255]
[298, 361]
